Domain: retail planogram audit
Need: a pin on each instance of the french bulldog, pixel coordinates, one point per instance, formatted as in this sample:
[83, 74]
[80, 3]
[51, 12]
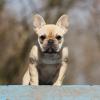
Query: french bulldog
[48, 59]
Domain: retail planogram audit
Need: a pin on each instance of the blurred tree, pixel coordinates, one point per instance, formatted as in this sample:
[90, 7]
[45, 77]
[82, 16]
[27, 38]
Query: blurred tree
[83, 38]
[2, 2]
[53, 3]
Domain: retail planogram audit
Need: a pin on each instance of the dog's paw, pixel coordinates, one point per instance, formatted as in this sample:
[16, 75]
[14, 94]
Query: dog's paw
[57, 83]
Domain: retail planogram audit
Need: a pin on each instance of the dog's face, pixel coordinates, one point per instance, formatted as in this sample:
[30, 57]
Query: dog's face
[50, 36]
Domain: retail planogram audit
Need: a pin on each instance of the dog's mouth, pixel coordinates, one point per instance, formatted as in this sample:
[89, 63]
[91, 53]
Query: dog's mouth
[50, 50]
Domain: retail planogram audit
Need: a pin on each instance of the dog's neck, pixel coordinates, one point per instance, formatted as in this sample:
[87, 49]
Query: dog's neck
[50, 58]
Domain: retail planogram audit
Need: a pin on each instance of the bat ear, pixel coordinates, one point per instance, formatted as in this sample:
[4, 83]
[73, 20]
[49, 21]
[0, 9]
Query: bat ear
[38, 22]
[63, 22]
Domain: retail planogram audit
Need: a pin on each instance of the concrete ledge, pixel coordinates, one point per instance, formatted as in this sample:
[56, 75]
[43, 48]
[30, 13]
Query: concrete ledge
[66, 92]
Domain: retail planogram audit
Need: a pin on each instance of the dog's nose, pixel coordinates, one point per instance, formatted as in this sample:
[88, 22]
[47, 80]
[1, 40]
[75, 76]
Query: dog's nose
[50, 41]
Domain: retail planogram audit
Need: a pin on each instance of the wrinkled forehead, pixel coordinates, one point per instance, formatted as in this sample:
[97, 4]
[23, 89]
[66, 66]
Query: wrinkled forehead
[50, 30]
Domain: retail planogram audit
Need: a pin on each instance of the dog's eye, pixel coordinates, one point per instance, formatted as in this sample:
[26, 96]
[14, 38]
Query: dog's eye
[58, 37]
[42, 37]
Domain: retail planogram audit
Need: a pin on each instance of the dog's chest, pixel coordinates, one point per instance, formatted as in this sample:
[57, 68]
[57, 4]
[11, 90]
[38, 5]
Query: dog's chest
[48, 59]
[47, 72]
[48, 67]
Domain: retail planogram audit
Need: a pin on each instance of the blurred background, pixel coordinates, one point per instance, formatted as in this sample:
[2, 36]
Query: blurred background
[83, 38]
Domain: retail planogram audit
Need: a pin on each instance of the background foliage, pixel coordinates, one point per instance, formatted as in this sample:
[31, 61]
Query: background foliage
[83, 38]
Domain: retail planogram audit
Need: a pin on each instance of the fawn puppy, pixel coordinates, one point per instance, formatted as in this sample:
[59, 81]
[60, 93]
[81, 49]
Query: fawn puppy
[48, 58]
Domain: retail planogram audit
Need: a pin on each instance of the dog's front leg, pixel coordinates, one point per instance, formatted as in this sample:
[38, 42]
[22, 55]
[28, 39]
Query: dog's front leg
[26, 78]
[62, 71]
[63, 67]
[33, 66]
[33, 74]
